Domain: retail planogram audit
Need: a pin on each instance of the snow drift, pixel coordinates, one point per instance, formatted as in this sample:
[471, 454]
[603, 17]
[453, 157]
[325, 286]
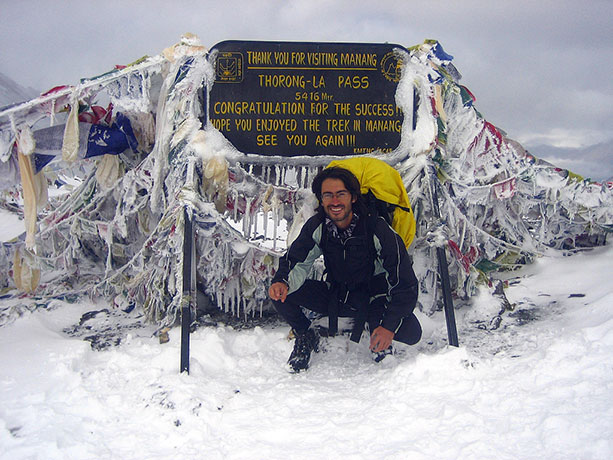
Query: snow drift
[538, 387]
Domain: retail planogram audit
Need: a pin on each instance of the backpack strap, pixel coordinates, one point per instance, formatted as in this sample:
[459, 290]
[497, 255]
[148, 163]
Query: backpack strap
[375, 208]
[370, 224]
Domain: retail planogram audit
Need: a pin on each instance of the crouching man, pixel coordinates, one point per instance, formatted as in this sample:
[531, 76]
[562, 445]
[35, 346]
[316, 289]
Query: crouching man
[369, 275]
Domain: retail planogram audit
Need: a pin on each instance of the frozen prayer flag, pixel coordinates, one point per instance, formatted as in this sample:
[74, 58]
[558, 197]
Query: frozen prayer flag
[118, 231]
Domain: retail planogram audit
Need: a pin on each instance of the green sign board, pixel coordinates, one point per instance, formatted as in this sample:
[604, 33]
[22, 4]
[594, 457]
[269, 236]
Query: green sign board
[294, 98]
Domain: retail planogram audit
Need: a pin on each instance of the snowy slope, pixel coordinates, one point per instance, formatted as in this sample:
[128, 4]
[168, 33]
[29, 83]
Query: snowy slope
[540, 386]
[12, 92]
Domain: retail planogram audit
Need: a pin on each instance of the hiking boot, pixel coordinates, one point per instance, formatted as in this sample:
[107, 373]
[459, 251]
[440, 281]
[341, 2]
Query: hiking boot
[379, 356]
[303, 346]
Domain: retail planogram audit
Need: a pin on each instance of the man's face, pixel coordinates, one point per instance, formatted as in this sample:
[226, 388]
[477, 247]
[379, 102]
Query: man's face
[337, 202]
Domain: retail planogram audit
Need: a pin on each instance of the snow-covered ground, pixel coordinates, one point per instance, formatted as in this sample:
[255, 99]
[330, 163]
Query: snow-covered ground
[540, 386]
[11, 226]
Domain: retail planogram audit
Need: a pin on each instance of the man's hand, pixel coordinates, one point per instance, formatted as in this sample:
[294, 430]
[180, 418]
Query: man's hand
[380, 339]
[278, 291]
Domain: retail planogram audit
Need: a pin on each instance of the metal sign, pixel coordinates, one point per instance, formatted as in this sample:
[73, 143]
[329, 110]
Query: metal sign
[290, 98]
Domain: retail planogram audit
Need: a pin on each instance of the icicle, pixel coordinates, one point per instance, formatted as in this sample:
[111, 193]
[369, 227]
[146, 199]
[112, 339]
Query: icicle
[231, 297]
[305, 176]
[52, 114]
[275, 209]
[255, 225]
[237, 293]
[314, 171]
[235, 210]
[219, 298]
[463, 234]
[265, 222]
[247, 218]
[292, 177]
[145, 84]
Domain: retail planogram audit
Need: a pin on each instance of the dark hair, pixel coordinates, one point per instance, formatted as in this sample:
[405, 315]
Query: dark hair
[351, 184]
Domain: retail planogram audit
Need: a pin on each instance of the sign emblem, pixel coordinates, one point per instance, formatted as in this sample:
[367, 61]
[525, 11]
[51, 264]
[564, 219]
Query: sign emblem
[391, 66]
[229, 67]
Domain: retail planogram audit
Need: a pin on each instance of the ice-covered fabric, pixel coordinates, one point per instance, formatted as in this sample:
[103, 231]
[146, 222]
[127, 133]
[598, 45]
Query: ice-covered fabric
[70, 141]
[26, 271]
[119, 231]
[92, 141]
[28, 186]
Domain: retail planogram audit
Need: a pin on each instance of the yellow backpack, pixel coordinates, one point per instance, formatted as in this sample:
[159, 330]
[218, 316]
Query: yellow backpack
[385, 183]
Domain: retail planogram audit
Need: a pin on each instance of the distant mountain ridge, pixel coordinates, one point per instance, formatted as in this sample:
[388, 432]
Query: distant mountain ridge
[12, 92]
[594, 161]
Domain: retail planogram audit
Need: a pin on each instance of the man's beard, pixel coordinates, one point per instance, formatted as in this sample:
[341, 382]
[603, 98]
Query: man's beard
[338, 217]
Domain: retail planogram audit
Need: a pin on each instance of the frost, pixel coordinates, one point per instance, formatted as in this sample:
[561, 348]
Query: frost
[119, 231]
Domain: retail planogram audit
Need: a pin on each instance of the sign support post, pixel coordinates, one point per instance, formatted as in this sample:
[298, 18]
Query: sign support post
[188, 287]
[452, 333]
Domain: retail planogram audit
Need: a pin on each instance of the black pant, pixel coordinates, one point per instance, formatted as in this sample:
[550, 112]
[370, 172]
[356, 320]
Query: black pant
[316, 296]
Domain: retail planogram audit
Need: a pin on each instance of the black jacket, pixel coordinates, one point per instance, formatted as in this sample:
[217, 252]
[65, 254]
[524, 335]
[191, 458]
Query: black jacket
[379, 266]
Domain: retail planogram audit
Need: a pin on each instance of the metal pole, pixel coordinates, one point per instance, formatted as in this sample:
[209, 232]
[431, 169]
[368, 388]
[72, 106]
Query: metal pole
[188, 284]
[452, 333]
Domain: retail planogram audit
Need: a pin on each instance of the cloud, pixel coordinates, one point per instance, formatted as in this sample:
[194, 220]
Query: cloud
[566, 138]
[538, 69]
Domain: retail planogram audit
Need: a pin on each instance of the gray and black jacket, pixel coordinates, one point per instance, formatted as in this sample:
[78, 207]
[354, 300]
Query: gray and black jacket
[377, 265]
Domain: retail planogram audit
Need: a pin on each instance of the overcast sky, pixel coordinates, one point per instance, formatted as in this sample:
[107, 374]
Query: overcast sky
[541, 70]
